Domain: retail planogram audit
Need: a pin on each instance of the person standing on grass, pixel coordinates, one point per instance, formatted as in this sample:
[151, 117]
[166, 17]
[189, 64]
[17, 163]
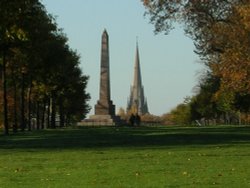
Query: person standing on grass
[137, 120]
[132, 120]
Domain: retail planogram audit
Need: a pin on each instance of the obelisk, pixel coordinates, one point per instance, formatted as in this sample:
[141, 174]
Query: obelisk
[104, 109]
[104, 105]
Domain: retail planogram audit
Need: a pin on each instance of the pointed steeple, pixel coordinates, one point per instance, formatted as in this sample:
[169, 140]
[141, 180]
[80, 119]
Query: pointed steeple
[137, 71]
[137, 101]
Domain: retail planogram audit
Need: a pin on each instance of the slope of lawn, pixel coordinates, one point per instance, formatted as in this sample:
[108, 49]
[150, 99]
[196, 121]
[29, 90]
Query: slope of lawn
[127, 157]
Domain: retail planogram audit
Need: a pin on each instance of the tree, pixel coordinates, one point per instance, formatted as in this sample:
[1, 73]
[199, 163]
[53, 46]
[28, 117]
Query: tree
[122, 113]
[12, 35]
[220, 31]
[150, 119]
[181, 115]
[36, 52]
[233, 62]
[203, 104]
[40, 33]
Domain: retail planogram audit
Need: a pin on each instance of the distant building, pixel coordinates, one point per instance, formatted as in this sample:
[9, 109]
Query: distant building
[137, 103]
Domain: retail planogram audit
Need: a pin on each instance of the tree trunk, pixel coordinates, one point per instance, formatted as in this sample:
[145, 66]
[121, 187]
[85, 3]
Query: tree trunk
[38, 115]
[67, 120]
[29, 106]
[239, 117]
[5, 101]
[22, 105]
[53, 111]
[13, 76]
[43, 114]
[15, 107]
[48, 113]
[61, 111]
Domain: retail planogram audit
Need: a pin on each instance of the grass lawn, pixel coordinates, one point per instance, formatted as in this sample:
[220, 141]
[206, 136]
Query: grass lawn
[127, 157]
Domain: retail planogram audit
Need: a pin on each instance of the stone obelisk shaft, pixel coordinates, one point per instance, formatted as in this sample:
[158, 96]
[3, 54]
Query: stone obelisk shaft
[105, 78]
[104, 105]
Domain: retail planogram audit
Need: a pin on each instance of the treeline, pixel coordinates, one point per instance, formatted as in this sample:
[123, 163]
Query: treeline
[220, 31]
[41, 81]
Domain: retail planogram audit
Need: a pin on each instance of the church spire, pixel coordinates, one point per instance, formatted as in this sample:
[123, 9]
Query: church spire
[137, 70]
[137, 102]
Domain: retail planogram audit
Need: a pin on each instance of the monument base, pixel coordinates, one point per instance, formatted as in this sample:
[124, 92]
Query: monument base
[103, 108]
[101, 120]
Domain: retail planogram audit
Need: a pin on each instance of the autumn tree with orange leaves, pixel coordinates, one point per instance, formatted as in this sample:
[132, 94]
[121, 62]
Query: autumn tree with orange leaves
[220, 30]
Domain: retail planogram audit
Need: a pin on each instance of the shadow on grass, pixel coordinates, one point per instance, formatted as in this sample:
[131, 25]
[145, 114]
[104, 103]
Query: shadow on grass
[100, 137]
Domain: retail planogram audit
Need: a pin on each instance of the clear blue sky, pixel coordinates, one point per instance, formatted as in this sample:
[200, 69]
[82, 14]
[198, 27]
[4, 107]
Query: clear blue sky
[168, 64]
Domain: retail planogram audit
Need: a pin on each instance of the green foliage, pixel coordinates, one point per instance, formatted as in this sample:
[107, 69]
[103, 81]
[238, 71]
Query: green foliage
[225, 101]
[39, 63]
[203, 104]
[181, 115]
[220, 31]
[127, 157]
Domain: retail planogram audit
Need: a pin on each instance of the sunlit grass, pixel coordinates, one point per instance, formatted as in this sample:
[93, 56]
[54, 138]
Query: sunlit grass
[127, 157]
